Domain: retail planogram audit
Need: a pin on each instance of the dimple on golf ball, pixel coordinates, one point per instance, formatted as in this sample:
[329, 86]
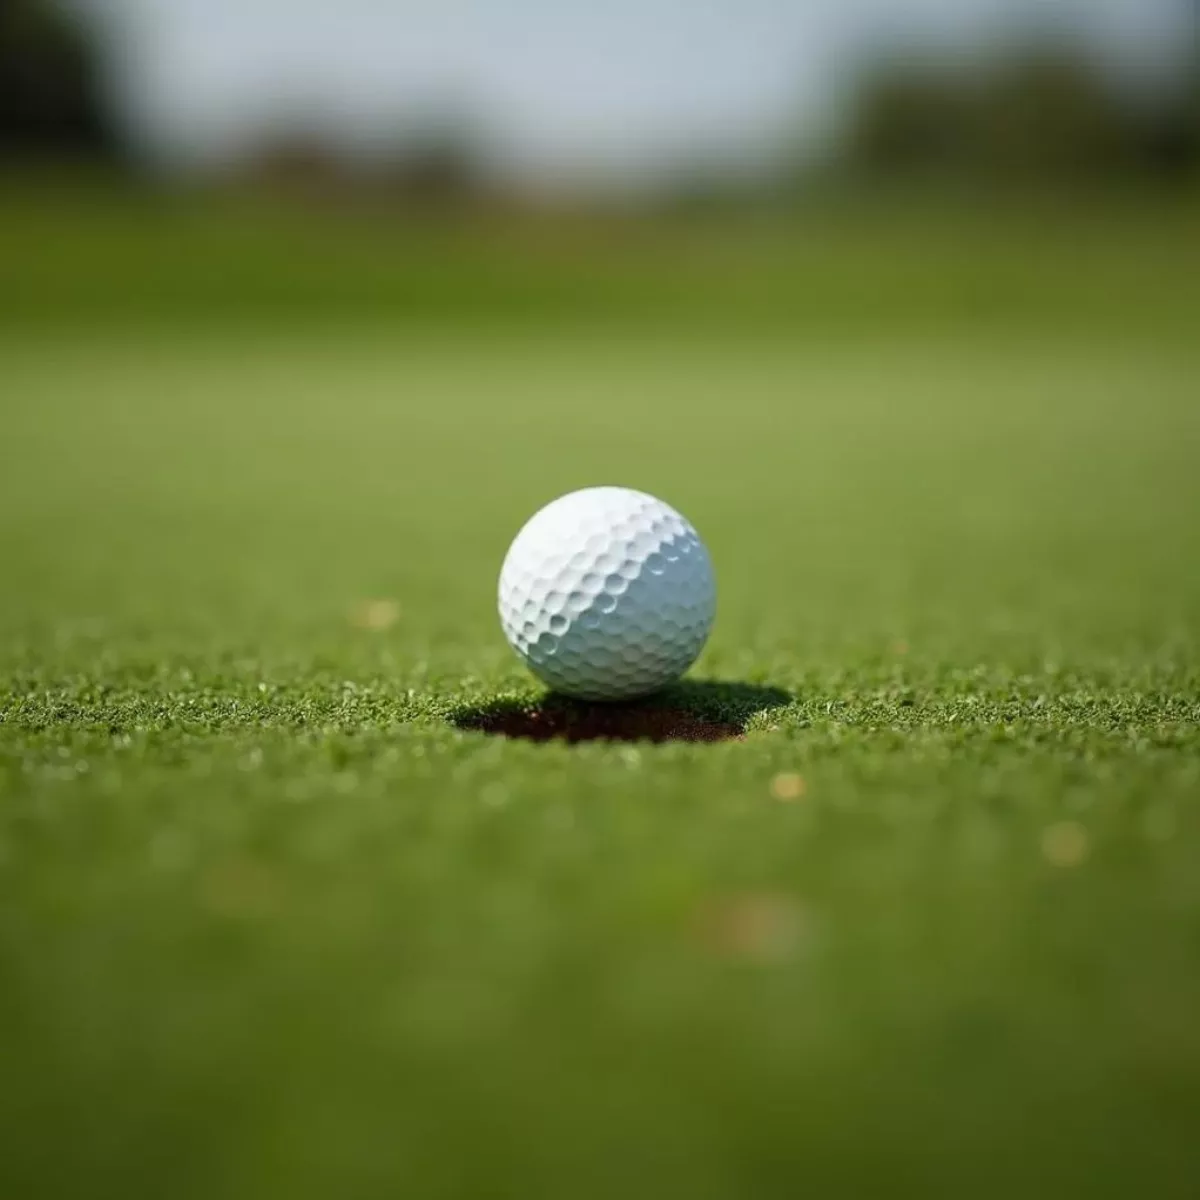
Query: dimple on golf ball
[607, 594]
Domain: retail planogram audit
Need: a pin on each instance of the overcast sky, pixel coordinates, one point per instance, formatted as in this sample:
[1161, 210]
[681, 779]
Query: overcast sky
[558, 86]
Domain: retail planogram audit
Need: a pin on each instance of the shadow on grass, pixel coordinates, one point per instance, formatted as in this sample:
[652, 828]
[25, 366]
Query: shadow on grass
[691, 711]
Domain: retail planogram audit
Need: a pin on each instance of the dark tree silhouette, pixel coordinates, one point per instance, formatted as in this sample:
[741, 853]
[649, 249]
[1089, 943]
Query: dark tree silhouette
[1047, 113]
[50, 95]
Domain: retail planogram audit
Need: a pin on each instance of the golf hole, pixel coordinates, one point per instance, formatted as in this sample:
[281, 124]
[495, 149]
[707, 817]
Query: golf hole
[695, 711]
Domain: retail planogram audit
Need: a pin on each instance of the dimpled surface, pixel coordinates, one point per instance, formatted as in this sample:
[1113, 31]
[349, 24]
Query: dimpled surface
[607, 594]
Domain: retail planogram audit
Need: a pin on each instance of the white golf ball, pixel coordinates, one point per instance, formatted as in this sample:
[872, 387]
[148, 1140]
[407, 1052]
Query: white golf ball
[607, 594]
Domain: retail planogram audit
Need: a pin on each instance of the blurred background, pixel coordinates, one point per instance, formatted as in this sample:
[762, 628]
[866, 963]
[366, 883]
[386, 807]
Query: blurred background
[524, 118]
[662, 100]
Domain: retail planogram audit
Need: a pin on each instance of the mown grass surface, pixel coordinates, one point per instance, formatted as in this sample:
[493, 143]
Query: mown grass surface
[272, 923]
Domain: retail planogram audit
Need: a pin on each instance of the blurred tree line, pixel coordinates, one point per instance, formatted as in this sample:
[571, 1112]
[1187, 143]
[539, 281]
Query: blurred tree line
[1044, 114]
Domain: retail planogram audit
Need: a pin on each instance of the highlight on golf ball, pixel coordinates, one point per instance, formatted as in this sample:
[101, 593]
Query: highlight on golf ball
[607, 594]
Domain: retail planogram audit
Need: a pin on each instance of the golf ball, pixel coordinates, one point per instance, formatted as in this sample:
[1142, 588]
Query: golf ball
[607, 594]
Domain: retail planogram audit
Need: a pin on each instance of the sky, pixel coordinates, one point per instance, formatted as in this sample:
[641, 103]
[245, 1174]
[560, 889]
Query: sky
[553, 88]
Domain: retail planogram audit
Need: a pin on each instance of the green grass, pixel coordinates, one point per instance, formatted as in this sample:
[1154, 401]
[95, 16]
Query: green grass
[271, 924]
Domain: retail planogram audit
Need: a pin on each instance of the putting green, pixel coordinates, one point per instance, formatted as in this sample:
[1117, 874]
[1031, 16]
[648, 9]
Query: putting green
[280, 916]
